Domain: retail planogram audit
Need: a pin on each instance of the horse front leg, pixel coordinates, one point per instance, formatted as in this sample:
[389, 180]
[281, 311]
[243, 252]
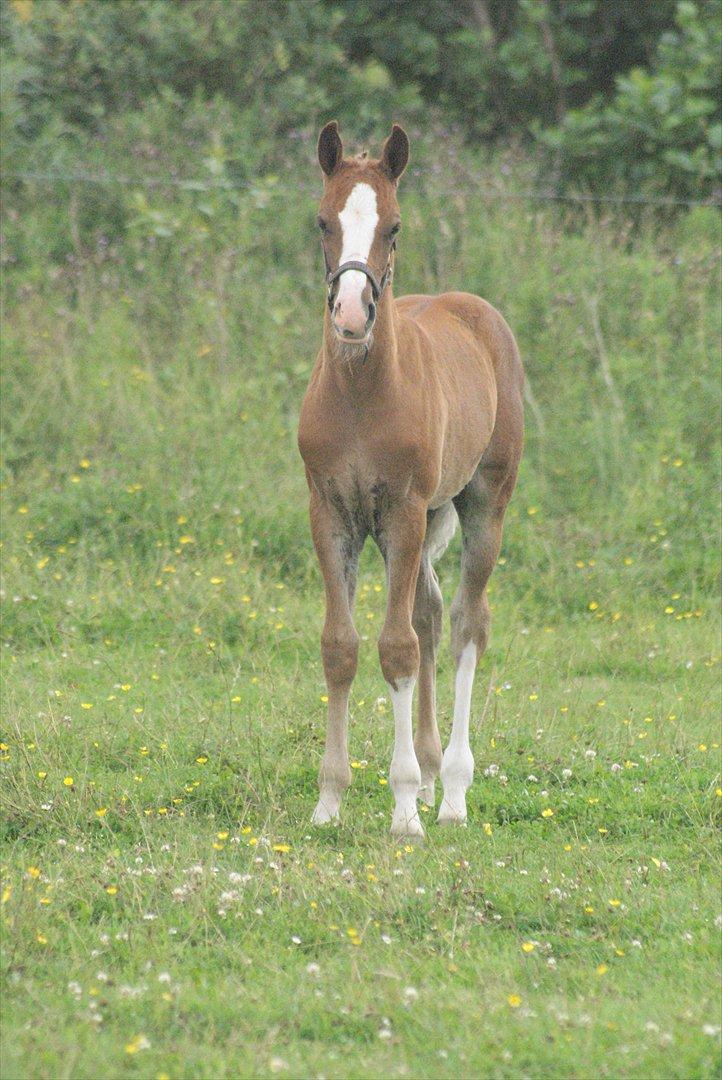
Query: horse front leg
[338, 553]
[399, 655]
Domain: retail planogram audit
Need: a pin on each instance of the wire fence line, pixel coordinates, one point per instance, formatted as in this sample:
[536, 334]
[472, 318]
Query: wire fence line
[200, 184]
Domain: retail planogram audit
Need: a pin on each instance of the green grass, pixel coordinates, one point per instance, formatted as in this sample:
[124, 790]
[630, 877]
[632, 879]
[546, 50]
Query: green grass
[160, 648]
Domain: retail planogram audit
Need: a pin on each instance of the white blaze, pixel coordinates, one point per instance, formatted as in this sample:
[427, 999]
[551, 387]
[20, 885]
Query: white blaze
[359, 219]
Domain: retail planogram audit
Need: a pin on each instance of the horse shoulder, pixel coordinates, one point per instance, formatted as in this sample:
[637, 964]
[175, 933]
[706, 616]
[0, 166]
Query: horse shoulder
[319, 425]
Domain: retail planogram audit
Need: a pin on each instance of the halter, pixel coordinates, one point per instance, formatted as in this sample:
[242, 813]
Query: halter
[377, 287]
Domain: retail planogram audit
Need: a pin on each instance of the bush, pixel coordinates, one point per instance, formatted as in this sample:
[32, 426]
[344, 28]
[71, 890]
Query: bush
[662, 130]
[620, 94]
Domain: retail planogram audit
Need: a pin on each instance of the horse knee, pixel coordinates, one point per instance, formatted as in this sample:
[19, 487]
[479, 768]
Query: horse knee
[399, 656]
[340, 657]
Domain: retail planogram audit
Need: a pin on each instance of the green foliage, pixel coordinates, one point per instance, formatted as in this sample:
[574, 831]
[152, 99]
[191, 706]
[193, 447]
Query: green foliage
[275, 63]
[662, 130]
[497, 67]
[622, 94]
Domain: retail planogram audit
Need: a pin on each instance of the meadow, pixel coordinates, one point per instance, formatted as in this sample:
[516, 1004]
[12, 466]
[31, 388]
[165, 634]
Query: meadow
[167, 910]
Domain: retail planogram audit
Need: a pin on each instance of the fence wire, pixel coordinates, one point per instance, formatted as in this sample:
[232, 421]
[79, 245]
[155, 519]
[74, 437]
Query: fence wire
[199, 184]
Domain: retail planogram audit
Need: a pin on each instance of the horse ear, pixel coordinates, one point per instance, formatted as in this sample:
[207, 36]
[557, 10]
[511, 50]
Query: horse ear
[330, 148]
[395, 154]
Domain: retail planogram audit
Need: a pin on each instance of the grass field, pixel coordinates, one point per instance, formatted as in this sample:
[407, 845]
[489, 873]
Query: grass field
[167, 909]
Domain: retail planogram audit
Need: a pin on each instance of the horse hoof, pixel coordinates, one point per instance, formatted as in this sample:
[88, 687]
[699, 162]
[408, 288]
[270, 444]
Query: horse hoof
[407, 827]
[452, 814]
[322, 815]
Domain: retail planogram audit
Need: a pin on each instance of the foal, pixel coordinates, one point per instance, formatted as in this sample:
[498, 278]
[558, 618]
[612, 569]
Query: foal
[413, 416]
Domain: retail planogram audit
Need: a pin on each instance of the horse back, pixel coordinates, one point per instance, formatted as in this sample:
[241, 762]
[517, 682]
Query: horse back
[440, 315]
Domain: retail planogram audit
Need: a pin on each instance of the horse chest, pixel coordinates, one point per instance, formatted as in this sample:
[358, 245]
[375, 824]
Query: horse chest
[361, 501]
[363, 482]
[366, 469]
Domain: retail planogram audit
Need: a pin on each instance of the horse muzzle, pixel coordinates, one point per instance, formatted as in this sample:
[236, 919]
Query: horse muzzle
[353, 319]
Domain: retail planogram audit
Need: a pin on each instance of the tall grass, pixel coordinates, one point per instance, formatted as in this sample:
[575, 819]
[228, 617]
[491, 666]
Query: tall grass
[179, 362]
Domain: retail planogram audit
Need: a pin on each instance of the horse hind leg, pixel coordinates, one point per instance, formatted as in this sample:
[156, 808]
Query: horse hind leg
[427, 622]
[480, 506]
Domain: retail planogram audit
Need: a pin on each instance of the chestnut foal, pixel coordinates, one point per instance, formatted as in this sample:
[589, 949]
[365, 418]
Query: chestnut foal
[413, 416]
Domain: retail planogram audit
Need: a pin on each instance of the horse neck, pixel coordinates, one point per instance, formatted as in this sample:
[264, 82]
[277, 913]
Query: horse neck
[350, 364]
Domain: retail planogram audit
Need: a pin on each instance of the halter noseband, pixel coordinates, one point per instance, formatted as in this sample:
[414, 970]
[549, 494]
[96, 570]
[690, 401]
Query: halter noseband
[377, 287]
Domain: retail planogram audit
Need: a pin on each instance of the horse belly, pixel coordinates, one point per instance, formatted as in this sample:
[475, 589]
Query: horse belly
[468, 433]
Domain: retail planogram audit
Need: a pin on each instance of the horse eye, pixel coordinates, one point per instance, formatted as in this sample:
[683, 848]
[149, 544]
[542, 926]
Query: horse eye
[394, 231]
[322, 226]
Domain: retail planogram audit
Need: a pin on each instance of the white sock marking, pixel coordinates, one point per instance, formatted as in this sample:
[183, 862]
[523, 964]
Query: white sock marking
[457, 766]
[405, 774]
[327, 807]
